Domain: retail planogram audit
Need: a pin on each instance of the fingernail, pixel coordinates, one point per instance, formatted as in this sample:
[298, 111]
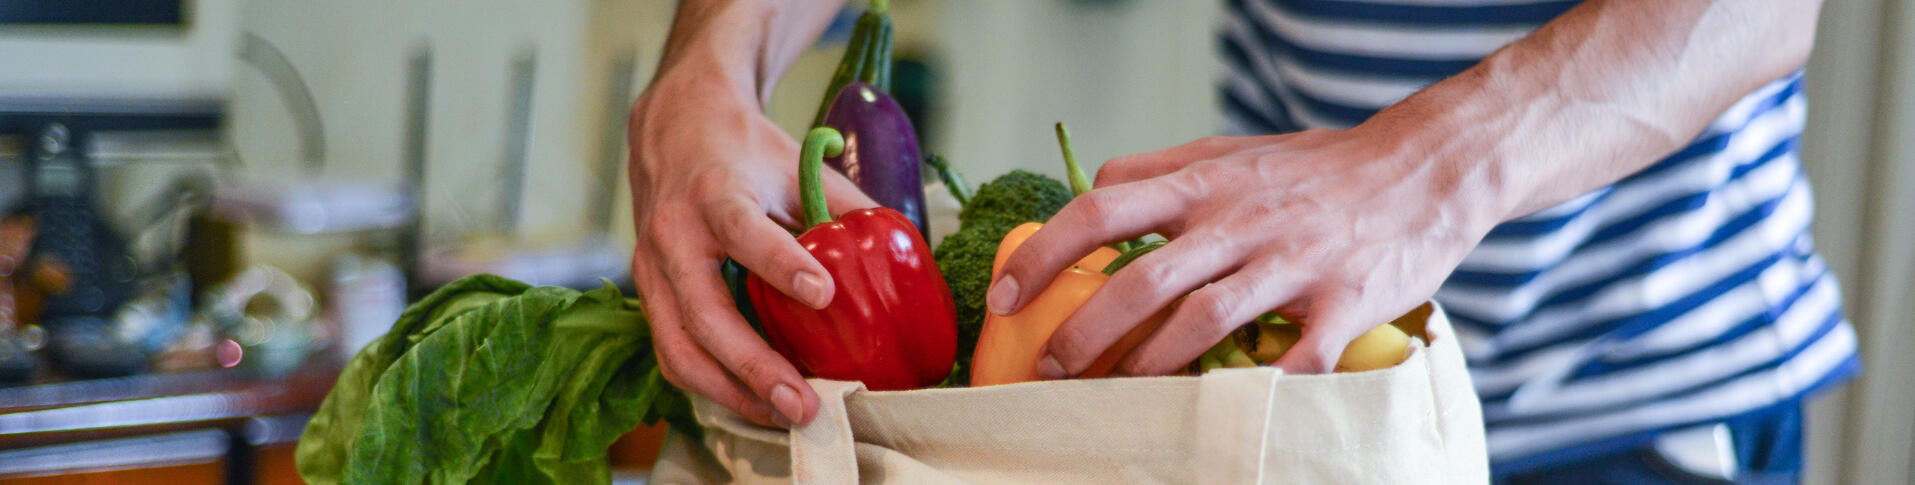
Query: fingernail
[1050, 369]
[790, 407]
[1002, 296]
[811, 289]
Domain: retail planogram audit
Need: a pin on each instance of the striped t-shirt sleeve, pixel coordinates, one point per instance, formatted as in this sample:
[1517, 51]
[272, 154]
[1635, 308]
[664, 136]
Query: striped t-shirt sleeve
[1686, 293]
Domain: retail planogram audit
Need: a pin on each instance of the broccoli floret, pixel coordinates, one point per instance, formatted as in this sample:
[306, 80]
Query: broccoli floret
[1015, 198]
[965, 257]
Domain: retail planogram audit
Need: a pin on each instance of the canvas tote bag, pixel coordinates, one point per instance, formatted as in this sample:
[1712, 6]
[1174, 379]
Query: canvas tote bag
[1416, 423]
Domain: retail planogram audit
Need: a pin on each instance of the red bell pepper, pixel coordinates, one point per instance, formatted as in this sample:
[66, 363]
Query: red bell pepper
[891, 322]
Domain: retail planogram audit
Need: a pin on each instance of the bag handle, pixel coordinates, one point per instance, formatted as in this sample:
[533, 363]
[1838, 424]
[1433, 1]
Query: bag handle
[1235, 408]
[823, 451]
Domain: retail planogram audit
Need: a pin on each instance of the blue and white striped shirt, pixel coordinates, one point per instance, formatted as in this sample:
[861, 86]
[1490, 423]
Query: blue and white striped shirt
[1684, 294]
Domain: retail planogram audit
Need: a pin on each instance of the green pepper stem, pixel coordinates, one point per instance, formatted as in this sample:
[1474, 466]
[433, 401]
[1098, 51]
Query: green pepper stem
[1079, 182]
[953, 180]
[821, 142]
[1130, 255]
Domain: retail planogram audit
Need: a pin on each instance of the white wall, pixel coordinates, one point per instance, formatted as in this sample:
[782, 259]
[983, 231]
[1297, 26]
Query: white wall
[353, 54]
[1860, 158]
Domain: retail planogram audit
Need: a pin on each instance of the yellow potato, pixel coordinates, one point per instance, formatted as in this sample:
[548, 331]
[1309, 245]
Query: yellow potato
[1382, 347]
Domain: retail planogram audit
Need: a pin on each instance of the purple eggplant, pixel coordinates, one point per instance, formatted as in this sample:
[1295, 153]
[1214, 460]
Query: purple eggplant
[880, 149]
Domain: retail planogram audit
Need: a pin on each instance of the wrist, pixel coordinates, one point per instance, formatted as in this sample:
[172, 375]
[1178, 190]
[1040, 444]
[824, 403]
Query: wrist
[705, 77]
[720, 42]
[1449, 155]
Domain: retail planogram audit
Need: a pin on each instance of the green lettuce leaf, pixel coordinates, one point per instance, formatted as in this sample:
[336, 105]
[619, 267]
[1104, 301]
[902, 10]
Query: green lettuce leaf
[490, 380]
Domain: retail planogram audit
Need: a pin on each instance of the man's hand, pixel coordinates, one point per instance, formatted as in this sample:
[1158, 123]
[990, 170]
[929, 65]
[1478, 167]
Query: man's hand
[1344, 230]
[1337, 230]
[712, 177]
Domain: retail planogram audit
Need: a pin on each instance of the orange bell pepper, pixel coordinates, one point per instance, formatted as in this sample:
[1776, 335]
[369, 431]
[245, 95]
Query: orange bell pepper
[1009, 346]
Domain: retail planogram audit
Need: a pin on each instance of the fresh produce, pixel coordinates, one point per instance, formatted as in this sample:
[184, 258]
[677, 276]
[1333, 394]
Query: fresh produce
[968, 257]
[1011, 199]
[1009, 346]
[965, 257]
[867, 57]
[1380, 348]
[488, 380]
[881, 150]
[890, 323]
[1225, 354]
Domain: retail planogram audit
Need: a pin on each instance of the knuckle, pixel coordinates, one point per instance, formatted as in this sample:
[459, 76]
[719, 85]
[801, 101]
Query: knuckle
[1068, 344]
[1213, 306]
[669, 359]
[1150, 273]
[758, 367]
[729, 215]
[1095, 210]
[703, 327]
[670, 372]
[1322, 358]
[788, 260]
[710, 183]
[663, 223]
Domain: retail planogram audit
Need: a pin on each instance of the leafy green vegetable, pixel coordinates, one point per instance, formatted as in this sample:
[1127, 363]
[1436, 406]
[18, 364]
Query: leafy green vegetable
[965, 257]
[490, 380]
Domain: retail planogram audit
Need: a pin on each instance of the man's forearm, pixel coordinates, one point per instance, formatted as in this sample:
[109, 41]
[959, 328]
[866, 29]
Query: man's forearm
[1598, 94]
[745, 44]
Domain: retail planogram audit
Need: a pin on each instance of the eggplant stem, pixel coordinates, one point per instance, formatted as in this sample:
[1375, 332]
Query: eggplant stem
[821, 142]
[881, 6]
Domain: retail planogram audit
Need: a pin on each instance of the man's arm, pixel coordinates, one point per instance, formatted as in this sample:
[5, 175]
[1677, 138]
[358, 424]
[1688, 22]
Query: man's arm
[1345, 229]
[1600, 93]
[744, 44]
[712, 177]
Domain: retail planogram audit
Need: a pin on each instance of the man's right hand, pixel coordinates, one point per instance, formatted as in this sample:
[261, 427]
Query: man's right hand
[713, 177]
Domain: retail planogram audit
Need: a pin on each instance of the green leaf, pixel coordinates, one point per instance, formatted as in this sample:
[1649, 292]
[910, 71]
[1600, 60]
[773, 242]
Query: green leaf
[489, 380]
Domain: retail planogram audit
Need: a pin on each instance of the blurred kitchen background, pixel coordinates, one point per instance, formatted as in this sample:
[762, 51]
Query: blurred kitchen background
[250, 189]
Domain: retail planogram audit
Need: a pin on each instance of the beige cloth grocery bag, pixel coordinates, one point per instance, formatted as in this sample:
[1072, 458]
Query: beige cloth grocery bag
[1416, 423]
